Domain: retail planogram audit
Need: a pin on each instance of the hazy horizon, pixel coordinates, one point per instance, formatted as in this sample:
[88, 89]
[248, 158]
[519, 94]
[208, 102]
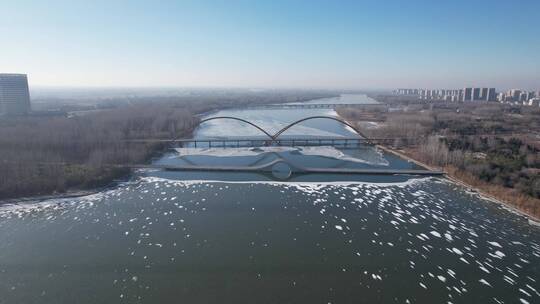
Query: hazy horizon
[351, 45]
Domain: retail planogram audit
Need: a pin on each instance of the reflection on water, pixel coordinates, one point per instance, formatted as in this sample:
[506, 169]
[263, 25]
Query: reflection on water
[213, 237]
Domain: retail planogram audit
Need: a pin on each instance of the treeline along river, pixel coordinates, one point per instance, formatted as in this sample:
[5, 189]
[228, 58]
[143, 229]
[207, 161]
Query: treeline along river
[202, 237]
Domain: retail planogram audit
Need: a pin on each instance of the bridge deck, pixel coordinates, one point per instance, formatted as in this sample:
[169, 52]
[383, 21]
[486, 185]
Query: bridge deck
[291, 142]
[318, 105]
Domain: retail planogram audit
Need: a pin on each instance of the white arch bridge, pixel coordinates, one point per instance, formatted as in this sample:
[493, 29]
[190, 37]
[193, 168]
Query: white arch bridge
[276, 139]
[269, 139]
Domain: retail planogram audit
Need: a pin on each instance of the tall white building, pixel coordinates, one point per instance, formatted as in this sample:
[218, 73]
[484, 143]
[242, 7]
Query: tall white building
[14, 94]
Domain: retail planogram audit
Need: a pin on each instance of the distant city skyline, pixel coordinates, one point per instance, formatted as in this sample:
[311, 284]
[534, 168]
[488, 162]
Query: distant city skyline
[470, 94]
[273, 44]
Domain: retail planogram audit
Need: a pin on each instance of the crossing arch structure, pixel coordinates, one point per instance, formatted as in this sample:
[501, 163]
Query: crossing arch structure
[274, 137]
[241, 120]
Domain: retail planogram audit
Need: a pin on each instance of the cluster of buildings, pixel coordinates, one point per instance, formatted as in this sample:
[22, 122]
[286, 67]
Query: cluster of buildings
[521, 97]
[14, 95]
[473, 94]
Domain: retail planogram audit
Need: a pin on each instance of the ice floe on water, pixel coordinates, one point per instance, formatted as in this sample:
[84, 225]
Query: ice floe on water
[374, 156]
[422, 239]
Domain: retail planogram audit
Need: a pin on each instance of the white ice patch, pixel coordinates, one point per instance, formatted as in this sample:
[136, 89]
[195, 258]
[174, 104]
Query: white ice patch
[375, 158]
[457, 251]
[435, 233]
[231, 152]
[331, 152]
[484, 282]
[495, 244]
[498, 254]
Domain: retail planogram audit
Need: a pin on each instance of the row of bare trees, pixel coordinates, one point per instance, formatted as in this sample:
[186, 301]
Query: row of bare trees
[45, 154]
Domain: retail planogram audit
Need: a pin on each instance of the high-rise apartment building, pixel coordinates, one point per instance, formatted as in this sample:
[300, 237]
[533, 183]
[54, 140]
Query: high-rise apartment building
[467, 94]
[492, 94]
[14, 94]
[484, 94]
[476, 93]
[514, 93]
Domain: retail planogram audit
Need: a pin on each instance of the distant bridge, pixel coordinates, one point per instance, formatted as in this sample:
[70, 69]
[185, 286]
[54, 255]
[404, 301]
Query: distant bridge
[319, 106]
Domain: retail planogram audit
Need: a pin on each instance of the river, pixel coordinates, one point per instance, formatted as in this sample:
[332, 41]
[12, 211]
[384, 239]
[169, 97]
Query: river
[201, 237]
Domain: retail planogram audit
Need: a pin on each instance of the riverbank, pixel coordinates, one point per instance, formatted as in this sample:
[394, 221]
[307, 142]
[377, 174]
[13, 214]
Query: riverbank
[456, 176]
[40, 198]
[482, 191]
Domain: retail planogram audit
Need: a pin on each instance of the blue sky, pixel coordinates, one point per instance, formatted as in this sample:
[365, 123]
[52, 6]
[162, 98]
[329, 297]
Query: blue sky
[304, 44]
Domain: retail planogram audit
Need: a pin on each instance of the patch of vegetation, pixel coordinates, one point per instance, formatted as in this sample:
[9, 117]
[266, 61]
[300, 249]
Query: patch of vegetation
[510, 163]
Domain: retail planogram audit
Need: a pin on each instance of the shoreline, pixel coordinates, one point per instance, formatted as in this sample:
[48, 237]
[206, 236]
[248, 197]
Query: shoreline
[44, 197]
[70, 193]
[533, 220]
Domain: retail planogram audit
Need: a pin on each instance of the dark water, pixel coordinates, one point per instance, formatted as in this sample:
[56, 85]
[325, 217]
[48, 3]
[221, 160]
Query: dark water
[178, 237]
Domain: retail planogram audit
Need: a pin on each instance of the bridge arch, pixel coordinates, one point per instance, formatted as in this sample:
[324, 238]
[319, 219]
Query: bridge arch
[241, 120]
[318, 117]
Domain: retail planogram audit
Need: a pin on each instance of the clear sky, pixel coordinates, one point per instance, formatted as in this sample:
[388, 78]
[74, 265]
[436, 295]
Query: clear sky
[306, 44]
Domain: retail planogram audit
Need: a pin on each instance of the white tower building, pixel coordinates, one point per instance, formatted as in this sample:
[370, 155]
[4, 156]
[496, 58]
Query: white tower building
[14, 94]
